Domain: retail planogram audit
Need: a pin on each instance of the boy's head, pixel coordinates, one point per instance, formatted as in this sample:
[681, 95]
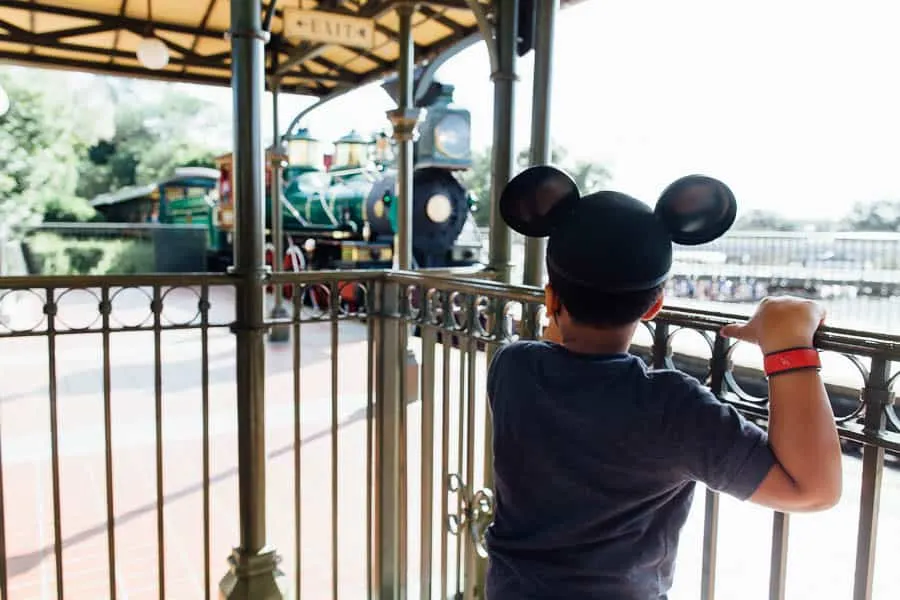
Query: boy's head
[608, 254]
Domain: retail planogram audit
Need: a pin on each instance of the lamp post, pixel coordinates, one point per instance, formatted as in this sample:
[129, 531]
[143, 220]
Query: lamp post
[278, 333]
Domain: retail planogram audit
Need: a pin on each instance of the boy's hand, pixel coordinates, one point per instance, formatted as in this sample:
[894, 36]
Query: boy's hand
[779, 323]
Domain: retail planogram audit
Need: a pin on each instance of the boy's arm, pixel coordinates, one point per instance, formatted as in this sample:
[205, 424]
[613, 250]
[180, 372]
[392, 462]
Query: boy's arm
[804, 439]
[802, 434]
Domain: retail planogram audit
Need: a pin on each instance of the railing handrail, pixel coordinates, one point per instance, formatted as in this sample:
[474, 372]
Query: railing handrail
[827, 338]
[26, 282]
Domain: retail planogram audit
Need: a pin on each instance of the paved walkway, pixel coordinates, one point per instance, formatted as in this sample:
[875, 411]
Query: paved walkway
[822, 546]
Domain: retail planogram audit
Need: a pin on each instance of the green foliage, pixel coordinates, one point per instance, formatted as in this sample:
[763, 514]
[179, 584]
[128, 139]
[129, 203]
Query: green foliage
[69, 137]
[764, 220]
[588, 176]
[875, 216]
[152, 137]
[56, 255]
[40, 139]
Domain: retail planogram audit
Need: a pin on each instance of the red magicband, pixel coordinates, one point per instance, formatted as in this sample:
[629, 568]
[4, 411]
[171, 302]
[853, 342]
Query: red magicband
[791, 359]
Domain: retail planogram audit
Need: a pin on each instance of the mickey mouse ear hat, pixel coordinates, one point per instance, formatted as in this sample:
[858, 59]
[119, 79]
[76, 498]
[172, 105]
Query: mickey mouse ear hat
[609, 241]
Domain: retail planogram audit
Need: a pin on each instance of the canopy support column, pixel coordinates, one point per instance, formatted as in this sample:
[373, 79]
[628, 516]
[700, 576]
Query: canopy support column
[503, 159]
[541, 152]
[404, 120]
[253, 569]
[397, 365]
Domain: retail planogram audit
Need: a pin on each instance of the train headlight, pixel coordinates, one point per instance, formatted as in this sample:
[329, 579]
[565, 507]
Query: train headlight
[452, 136]
[438, 208]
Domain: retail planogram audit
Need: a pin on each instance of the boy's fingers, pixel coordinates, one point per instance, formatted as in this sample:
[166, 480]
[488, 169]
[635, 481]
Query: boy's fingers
[732, 330]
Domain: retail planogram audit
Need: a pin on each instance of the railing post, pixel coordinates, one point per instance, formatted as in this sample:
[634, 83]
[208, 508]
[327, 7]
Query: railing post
[876, 396]
[717, 368]
[254, 572]
[660, 344]
[404, 120]
[390, 415]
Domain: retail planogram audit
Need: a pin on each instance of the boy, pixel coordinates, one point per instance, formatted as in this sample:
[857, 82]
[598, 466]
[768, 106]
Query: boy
[596, 456]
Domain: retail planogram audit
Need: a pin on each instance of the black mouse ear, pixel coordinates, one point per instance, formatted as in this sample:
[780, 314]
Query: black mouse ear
[696, 209]
[534, 200]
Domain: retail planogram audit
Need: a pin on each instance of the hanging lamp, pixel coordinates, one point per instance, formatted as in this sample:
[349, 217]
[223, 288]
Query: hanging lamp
[152, 53]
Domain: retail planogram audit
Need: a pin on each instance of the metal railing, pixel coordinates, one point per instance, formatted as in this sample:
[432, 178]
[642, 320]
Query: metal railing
[378, 433]
[855, 274]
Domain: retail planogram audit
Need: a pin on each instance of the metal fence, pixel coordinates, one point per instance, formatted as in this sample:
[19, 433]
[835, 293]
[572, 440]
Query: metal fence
[855, 274]
[378, 464]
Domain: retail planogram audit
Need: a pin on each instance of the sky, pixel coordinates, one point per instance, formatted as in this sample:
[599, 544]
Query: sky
[794, 104]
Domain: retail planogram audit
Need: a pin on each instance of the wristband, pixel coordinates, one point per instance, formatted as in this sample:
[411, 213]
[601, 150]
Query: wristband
[791, 359]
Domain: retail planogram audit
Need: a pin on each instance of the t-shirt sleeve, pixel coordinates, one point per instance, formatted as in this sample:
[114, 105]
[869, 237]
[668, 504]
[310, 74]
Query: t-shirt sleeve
[716, 445]
[495, 370]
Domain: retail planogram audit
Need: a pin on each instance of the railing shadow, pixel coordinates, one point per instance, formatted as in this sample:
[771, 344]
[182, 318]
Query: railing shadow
[23, 563]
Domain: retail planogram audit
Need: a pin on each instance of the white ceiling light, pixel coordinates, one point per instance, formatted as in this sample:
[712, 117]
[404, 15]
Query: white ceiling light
[153, 53]
[4, 101]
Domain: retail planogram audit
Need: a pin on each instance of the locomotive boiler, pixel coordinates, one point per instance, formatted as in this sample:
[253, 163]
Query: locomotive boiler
[339, 210]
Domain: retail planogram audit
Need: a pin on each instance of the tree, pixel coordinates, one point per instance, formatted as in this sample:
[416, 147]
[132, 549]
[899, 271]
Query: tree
[587, 175]
[883, 215]
[152, 137]
[40, 138]
[764, 220]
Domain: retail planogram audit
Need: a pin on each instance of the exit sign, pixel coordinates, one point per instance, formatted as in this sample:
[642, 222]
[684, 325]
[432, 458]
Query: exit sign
[329, 28]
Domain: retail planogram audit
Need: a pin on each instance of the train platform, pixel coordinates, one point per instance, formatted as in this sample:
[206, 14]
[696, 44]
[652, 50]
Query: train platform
[822, 547]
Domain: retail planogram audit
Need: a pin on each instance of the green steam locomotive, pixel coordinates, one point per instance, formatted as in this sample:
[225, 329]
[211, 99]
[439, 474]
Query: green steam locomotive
[339, 210]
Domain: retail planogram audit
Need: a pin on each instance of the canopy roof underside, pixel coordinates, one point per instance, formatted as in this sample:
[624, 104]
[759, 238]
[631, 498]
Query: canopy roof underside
[101, 36]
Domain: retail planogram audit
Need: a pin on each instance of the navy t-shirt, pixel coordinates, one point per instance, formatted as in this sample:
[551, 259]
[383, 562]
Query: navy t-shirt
[595, 462]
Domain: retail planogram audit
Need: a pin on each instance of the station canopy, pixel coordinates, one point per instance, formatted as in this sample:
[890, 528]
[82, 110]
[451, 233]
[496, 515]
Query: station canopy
[103, 36]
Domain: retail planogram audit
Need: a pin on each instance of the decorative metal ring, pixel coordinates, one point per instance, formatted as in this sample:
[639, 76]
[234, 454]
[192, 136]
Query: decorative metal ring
[732, 384]
[11, 295]
[122, 293]
[319, 297]
[57, 301]
[166, 319]
[670, 351]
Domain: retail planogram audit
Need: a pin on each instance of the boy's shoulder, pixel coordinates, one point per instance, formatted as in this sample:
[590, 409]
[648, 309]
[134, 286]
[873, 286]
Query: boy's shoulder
[519, 348]
[514, 351]
[670, 383]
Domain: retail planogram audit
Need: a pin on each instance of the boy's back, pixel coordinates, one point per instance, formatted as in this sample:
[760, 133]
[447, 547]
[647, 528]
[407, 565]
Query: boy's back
[594, 455]
[594, 462]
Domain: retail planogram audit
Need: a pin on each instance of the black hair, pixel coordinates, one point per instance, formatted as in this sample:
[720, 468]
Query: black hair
[602, 309]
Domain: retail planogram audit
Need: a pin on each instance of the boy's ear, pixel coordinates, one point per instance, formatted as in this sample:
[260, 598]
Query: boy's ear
[654, 310]
[551, 301]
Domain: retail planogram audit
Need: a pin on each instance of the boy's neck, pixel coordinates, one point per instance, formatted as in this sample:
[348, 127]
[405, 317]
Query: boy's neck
[590, 340]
